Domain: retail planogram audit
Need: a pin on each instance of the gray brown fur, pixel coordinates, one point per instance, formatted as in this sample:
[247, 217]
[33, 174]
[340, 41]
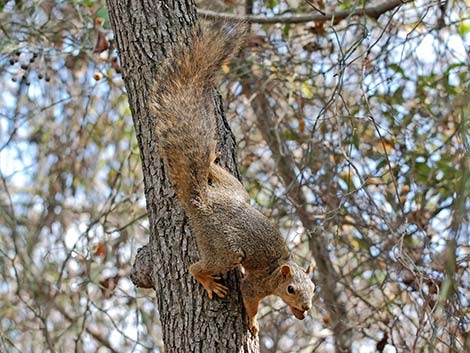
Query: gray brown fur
[229, 231]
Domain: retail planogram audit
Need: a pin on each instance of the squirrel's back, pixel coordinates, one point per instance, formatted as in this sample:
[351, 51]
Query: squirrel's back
[182, 102]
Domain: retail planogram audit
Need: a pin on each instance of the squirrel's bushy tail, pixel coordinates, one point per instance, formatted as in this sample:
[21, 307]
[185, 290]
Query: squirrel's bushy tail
[182, 102]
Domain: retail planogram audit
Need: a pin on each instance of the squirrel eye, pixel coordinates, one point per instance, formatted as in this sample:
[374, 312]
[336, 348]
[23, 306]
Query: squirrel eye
[290, 289]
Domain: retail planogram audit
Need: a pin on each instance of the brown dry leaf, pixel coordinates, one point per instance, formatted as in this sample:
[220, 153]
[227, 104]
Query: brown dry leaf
[101, 42]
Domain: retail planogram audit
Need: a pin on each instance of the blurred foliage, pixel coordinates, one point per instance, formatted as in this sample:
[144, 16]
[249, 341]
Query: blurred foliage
[72, 209]
[374, 112]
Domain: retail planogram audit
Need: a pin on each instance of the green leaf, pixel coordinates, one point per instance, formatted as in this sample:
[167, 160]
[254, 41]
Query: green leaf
[397, 68]
[103, 13]
[285, 30]
[398, 95]
[380, 277]
[355, 139]
[271, 3]
[453, 66]
[306, 89]
[463, 27]
[382, 163]
[290, 135]
[88, 3]
[423, 172]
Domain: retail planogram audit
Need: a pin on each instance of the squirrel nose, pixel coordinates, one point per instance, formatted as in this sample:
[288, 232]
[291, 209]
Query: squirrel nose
[306, 307]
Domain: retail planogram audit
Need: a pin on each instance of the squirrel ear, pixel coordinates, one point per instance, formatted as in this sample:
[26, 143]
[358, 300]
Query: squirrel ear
[309, 269]
[285, 270]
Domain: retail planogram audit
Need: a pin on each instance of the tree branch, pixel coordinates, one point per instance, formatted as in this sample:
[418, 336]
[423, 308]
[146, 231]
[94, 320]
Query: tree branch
[371, 11]
[141, 273]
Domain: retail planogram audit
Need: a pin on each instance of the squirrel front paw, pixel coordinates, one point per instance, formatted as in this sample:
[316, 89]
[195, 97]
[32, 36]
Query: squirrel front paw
[251, 306]
[254, 328]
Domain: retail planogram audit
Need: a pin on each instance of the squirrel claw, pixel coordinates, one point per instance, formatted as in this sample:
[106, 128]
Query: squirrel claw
[220, 290]
[254, 328]
[213, 287]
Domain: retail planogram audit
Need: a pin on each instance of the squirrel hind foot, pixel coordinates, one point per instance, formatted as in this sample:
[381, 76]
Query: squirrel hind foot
[209, 283]
[211, 286]
[218, 289]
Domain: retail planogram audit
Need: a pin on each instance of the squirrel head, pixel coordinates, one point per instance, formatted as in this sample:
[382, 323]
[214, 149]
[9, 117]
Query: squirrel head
[295, 288]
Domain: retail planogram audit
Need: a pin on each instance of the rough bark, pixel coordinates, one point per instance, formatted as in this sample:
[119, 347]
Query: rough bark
[145, 30]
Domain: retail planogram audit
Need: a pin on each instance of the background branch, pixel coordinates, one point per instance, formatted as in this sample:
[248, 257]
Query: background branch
[371, 11]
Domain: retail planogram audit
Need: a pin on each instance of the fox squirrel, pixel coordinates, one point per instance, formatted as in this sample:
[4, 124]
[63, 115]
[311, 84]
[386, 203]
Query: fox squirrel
[229, 231]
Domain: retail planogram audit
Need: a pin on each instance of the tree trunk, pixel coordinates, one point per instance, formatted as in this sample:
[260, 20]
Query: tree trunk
[145, 31]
